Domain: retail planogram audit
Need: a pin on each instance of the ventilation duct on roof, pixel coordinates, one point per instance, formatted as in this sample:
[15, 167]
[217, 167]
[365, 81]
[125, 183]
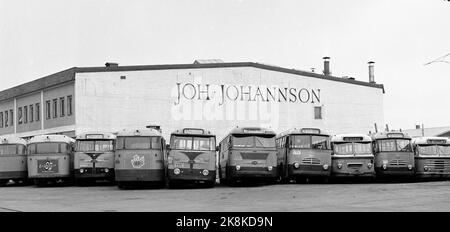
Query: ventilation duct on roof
[208, 61]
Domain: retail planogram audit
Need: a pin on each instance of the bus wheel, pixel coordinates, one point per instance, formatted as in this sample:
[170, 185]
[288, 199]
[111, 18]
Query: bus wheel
[172, 184]
[209, 184]
[39, 182]
[301, 180]
[121, 185]
[3, 182]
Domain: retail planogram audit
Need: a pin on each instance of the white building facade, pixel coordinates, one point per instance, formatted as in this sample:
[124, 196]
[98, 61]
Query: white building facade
[216, 97]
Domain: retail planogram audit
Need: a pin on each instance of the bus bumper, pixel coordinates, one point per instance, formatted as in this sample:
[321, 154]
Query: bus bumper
[96, 173]
[252, 172]
[353, 174]
[433, 175]
[13, 175]
[191, 175]
[308, 170]
[394, 171]
[139, 175]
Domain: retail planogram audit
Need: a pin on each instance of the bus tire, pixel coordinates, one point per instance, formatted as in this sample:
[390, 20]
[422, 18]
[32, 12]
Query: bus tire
[3, 182]
[172, 184]
[209, 184]
[39, 182]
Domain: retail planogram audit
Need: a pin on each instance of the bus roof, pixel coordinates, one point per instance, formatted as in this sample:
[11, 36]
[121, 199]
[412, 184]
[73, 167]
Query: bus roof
[351, 138]
[12, 140]
[139, 132]
[431, 140]
[192, 131]
[252, 130]
[390, 135]
[96, 135]
[302, 131]
[51, 138]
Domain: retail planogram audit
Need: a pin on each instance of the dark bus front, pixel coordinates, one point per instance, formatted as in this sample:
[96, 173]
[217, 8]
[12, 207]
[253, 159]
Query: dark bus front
[192, 158]
[94, 159]
[394, 157]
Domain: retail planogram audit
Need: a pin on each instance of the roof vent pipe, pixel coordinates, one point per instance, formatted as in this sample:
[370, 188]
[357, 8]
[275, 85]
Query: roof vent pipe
[371, 74]
[326, 66]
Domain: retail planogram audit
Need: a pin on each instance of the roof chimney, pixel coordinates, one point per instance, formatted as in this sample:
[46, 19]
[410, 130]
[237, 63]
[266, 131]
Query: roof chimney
[326, 66]
[110, 64]
[417, 126]
[371, 75]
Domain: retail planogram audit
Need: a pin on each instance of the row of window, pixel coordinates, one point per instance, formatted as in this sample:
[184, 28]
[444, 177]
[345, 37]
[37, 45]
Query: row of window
[52, 106]
[6, 118]
[32, 113]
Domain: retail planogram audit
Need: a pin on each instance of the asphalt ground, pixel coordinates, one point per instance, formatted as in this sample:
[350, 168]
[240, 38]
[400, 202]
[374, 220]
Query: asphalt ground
[412, 196]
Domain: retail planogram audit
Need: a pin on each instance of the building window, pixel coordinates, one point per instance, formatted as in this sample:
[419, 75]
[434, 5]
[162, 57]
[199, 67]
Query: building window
[62, 106]
[317, 112]
[55, 108]
[19, 115]
[69, 105]
[25, 114]
[31, 113]
[47, 110]
[1, 119]
[38, 112]
[6, 118]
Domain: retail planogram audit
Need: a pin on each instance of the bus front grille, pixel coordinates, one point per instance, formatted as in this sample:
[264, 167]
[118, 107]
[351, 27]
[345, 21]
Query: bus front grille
[397, 162]
[254, 156]
[310, 160]
[354, 165]
[439, 164]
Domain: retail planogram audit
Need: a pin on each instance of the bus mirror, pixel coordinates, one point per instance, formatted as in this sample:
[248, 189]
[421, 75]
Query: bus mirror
[167, 146]
[217, 148]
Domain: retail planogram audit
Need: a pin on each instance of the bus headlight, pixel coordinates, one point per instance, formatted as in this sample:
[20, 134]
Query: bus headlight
[369, 165]
[384, 166]
[296, 165]
[269, 168]
[339, 165]
[325, 166]
[205, 172]
[106, 170]
[425, 168]
[81, 170]
[176, 171]
[238, 167]
[409, 166]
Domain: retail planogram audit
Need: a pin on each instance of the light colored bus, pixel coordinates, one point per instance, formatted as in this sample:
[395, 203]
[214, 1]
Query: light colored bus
[432, 157]
[248, 153]
[393, 154]
[13, 160]
[139, 158]
[192, 157]
[352, 156]
[94, 157]
[304, 154]
[50, 159]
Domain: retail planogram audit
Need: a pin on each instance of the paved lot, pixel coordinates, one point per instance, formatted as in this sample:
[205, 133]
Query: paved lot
[423, 196]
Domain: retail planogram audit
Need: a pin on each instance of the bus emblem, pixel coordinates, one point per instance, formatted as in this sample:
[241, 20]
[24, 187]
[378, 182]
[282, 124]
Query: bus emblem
[138, 162]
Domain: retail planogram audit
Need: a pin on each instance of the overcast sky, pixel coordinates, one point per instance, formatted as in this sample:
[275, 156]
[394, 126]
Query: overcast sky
[38, 38]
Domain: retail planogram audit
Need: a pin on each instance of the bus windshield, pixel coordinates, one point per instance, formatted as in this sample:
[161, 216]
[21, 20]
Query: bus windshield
[434, 150]
[402, 145]
[310, 141]
[48, 147]
[94, 145]
[138, 143]
[193, 143]
[350, 148]
[253, 141]
[12, 149]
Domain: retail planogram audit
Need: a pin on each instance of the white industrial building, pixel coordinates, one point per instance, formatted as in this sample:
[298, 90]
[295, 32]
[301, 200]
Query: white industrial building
[213, 95]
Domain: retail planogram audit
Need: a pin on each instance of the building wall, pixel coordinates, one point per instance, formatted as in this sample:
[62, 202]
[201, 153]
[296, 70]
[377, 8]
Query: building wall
[56, 94]
[30, 121]
[111, 101]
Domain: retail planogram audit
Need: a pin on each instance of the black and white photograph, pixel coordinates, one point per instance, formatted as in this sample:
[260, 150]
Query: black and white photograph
[224, 106]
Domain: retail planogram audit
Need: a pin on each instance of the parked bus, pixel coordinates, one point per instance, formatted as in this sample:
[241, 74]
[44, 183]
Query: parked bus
[192, 157]
[352, 156]
[432, 157]
[248, 153]
[304, 154]
[94, 157]
[393, 154]
[50, 159]
[13, 160]
[139, 158]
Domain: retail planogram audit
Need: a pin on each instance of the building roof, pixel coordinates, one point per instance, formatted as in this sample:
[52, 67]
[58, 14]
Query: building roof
[431, 131]
[69, 75]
